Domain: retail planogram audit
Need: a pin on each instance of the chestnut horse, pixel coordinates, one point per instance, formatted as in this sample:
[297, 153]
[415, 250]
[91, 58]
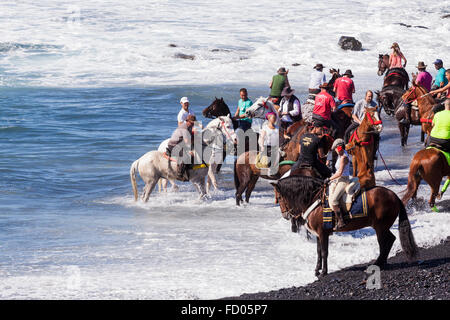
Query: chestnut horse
[422, 115]
[394, 77]
[297, 193]
[430, 165]
[361, 147]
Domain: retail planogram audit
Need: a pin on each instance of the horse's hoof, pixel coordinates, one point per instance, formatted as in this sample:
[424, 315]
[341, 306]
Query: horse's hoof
[318, 273]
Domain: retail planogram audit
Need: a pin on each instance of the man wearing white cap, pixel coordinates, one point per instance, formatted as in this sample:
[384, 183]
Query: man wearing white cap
[184, 112]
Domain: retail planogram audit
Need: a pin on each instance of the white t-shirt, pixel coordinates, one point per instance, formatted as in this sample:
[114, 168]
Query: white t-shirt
[182, 115]
[316, 79]
[346, 171]
[272, 137]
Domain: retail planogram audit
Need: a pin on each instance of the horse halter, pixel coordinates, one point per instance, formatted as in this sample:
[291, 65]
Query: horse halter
[413, 90]
[372, 122]
[227, 134]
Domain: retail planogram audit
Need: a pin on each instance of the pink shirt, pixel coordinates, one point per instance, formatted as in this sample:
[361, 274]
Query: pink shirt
[323, 104]
[424, 78]
[344, 87]
[396, 61]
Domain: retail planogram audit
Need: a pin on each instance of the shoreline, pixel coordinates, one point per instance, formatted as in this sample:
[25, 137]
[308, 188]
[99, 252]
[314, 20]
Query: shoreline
[426, 279]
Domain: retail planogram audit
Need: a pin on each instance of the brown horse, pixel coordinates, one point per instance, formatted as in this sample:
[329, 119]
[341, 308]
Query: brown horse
[421, 115]
[246, 174]
[297, 193]
[430, 165]
[362, 147]
[394, 77]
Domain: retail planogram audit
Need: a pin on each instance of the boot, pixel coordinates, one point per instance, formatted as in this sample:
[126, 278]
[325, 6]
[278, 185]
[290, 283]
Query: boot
[340, 220]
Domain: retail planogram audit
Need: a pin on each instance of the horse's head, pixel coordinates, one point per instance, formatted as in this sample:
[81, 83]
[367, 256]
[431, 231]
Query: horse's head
[226, 127]
[295, 194]
[216, 109]
[383, 64]
[374, 120]
[259, 108]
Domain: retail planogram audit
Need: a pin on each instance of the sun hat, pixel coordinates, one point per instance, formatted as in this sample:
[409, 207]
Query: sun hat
[287, 91]
[319, 66]
[184, 100]
[421, 65]
[281, 70]
[348, 73]
[191, 118]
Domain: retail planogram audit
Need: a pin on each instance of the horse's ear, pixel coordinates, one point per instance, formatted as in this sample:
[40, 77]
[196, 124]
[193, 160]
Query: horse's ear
[380, 55]
[221, 99]
[229, 116]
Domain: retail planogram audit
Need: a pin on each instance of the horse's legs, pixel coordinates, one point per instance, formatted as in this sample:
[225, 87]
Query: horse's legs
[164, 183]
[294, 226]
[422, 136]
[212, 177]
[319, 257]
[385, 241]
[148, 189]
[324, 253]
[250, 187]
[174, 185]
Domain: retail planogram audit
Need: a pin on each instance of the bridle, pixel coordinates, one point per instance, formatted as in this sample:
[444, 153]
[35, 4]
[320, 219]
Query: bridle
[290, 213]
[225, 130]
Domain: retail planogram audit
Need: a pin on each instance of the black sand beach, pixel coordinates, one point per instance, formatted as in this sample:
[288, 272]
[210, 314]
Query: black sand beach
[427, 279]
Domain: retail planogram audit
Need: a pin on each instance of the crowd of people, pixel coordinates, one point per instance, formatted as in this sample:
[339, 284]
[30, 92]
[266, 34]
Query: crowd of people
[326, 98]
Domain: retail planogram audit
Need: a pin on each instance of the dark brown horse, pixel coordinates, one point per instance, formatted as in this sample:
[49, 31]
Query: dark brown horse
[216, 109]
[421, 115]
[297, 193]
[246, 174]
[362, 147]
[431, 166]
[394, 77]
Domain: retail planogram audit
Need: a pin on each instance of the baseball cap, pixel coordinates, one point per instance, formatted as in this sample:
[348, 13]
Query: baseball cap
[184, 99]
[438, 61]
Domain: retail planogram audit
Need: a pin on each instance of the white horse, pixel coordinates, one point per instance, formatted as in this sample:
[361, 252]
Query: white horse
[257, 112]
[154, 165]
[219, 127]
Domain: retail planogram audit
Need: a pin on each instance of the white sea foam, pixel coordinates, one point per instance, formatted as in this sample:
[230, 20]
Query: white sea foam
[96, 43]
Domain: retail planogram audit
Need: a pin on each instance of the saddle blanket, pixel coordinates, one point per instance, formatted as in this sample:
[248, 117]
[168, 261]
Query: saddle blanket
[359, 209]
[446, 154]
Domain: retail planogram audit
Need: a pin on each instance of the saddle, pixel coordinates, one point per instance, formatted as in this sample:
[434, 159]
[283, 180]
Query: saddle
[444, 151]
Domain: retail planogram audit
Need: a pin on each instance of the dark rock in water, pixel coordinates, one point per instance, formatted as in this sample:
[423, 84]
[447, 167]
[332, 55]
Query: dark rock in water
[296, 64]
[409, 26]
[447, 16]
[243, 58]
[350, 43]
[173, 45]
[220, 50]
[184, 56]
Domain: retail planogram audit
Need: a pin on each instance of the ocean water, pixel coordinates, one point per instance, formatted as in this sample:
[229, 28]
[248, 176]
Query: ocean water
[86, 89]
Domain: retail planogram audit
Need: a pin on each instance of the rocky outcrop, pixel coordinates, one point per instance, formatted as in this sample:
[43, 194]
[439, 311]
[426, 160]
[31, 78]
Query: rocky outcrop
[350, 43]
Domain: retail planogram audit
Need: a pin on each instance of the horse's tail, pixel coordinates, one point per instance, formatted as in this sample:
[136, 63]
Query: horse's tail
[413, 180]
[133, 170]
[236, 178]
[407, 241]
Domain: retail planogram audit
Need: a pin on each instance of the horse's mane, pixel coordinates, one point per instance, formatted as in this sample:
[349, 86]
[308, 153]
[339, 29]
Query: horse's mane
[392, 87]
[299, 191]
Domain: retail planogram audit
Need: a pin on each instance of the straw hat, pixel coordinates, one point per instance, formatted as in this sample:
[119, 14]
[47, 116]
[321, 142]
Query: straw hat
[421, 65]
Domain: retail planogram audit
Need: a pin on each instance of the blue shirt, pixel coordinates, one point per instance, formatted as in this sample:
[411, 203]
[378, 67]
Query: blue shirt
[243, 105]
[440, 77]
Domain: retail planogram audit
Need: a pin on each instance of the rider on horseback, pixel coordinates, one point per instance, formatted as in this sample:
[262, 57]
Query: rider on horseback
[339, 181]
[278, 83]
[440, 134]
[289, 111]
[344, 87]
[358, 114]
[323, 105]
[424, 79]
[310, 148]
[183, 134]
[396, 57]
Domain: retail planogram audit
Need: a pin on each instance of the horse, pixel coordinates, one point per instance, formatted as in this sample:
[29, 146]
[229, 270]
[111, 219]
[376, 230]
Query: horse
[297, 193]
[431, 165]
[246, 173]
[421, 115]
[216, 109]
[334, 76]
[361, 147]
[394, 77]
[155, 164]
